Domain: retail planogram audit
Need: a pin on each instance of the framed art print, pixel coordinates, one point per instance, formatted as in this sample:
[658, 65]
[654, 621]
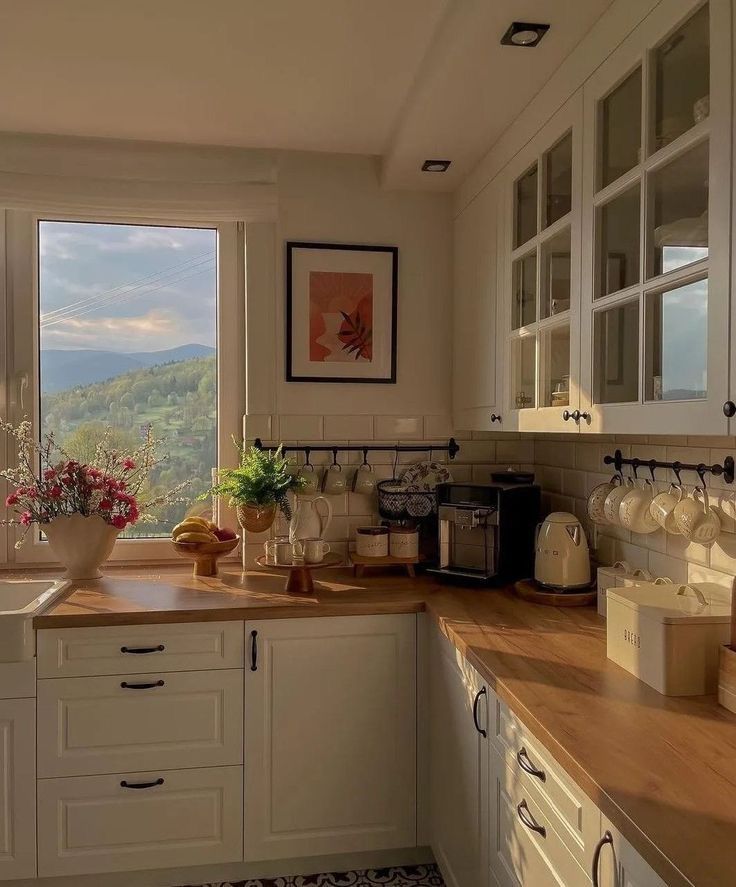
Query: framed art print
[341, 312]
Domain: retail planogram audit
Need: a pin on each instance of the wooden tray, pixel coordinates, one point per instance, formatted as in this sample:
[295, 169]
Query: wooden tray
[360, 563]
[531, 590]
[300, 575]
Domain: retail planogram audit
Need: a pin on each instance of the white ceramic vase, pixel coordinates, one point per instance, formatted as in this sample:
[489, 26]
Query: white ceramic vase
[82, 544]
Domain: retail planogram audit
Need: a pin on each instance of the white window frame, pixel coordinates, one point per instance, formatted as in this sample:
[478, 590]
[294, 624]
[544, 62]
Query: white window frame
[19, 363]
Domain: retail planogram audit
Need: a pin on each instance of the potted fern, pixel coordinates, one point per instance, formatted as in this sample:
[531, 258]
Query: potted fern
[257, 487]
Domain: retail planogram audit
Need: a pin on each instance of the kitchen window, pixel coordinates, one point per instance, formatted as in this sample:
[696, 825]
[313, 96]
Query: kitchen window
[128, 325]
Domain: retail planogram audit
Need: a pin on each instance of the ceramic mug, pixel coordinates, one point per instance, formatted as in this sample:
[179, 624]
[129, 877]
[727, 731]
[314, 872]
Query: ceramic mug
[315, 550]
[278, 551]
[334, 481]
[310, 478]
[364, 480]
[663, 506]
[634, 511]
[613, 501]
[696, 520]
[597, 499]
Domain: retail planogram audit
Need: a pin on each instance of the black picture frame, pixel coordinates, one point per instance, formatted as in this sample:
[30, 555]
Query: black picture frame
[292, 245]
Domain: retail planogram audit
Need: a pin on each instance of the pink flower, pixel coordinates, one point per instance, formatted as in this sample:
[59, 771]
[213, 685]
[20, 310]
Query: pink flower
[49, 474]
[26, 518]
[32, 493]
[128, 464]
[55, 492]
[12, 499]
[118, 521]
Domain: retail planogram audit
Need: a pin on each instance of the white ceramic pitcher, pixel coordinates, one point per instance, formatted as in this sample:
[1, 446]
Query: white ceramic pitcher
[307, 522]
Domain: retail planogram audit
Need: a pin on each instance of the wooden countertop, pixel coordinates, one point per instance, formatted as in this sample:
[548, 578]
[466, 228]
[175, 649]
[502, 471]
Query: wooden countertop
[662, 769]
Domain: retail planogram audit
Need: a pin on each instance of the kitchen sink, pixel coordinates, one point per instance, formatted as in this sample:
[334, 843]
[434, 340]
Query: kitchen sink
[20, 601]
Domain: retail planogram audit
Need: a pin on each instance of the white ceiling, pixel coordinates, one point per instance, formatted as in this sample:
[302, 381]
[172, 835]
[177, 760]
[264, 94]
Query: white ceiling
[405, 79]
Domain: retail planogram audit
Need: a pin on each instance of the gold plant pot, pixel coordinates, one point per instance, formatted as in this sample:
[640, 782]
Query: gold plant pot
[256, 518]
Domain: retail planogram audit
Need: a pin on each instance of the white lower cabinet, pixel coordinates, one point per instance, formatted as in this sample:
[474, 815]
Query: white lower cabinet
[330, 735]
[17, 788]
[619, 865]
[135, 821]
[458, 739]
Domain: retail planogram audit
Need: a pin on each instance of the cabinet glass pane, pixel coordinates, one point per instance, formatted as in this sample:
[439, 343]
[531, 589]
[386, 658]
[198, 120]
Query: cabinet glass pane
[682, 80]
[679, 219]
[616, 354]
[555, 381]
[555, 278]
[558, 180]
[620, 130]
[677, 343]
[525, 291]
[525, 209]
[524, 359]
[617, 246]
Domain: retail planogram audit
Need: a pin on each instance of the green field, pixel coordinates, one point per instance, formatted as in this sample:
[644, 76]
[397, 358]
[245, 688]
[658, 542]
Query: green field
[179, 401]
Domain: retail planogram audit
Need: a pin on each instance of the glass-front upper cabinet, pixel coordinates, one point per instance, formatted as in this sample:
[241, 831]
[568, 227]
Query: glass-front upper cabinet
[539, 276]
[655, 223]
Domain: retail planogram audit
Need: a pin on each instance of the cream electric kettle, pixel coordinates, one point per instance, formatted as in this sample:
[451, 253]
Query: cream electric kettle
[561, 558]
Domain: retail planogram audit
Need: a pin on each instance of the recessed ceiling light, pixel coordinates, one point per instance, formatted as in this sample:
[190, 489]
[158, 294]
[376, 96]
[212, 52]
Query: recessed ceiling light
[524, 34]
[436, 165]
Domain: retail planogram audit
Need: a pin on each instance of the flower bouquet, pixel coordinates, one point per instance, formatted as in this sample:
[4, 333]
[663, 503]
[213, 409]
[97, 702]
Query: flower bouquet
[81, 507]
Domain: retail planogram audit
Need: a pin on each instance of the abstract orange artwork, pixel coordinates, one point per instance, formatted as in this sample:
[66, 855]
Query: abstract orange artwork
[340, 316]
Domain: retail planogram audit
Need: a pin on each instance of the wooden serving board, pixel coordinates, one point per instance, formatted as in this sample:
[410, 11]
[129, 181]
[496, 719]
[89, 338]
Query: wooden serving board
[531, 590]
[360, 563]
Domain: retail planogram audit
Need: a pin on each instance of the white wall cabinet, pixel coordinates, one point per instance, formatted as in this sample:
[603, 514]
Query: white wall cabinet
[17, 788]
[458, 742]
[330, 735]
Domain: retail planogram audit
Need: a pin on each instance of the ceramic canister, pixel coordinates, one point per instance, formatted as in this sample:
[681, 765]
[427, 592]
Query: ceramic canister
[371, 541]
[404, 542]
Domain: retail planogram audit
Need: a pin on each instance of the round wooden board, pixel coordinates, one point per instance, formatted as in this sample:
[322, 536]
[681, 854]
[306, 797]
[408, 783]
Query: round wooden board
[531, 590]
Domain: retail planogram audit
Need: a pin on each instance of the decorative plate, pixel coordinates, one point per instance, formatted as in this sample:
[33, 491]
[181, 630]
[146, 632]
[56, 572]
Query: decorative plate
[424, 476]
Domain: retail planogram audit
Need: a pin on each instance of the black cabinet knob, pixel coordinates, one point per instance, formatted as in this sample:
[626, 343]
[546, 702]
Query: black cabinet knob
[729, 409]
[495, 417]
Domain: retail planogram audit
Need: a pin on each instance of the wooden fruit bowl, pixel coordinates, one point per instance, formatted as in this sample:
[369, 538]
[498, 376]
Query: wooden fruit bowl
[205, 554]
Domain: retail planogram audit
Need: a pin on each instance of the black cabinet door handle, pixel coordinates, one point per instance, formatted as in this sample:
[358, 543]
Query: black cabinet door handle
[523, 758]
[495, 417]
[254, 651]
[125, 784]
[138, 650]
[476, 702]
[126, 686]
[606, 839]
[529, 821]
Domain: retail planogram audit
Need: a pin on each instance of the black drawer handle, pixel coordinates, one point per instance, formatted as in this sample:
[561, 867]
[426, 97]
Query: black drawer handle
[476, 701]
[529, 821]
[125, 784]
[139, 650]
[126, 686]
[526, 765]
[254, 651]
[606, 839]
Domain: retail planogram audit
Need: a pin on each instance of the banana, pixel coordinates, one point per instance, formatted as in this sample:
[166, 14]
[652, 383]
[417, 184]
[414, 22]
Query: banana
[196, 537]
[189, 526]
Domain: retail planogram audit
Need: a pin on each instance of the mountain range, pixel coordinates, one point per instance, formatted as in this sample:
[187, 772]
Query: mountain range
[62, 369]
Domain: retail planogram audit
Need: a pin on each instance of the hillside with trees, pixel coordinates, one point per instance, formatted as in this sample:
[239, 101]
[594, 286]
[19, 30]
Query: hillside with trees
[179, 401]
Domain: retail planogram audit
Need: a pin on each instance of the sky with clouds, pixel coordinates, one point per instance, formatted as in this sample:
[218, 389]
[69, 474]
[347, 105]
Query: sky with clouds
[126, 287]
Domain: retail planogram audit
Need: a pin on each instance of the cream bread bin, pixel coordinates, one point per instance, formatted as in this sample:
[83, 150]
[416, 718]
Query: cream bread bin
[669, 636]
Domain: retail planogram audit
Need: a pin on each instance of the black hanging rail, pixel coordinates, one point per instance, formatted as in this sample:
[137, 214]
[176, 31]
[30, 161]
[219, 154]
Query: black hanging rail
[452, 448]
[701, 469]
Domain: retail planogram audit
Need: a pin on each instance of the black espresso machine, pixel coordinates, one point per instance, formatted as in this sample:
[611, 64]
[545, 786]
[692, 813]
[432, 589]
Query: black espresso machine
[486, 531]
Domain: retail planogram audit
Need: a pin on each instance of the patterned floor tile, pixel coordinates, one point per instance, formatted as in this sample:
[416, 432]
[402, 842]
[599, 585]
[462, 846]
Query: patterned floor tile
[403, 876]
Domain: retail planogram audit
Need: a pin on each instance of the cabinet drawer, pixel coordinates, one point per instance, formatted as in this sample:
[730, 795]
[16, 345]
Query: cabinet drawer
[576, 817]
[95, 824]
[82, 652]
[143, 721]
[520, 855]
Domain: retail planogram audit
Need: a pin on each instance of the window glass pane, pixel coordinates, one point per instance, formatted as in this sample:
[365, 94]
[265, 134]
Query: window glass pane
[617, 244]
[682, 80]
[555, 279]
[525, 198]
[128, 333]
[620, 130]
[677, 343]
[524, 356]
[616, 354]
[680, 217]
[525, 291]
[555, 384]
[558, 180]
